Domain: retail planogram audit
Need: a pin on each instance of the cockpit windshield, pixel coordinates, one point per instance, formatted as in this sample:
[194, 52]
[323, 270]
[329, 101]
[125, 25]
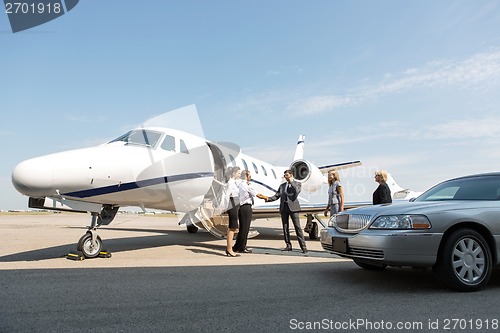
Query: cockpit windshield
[140, 137]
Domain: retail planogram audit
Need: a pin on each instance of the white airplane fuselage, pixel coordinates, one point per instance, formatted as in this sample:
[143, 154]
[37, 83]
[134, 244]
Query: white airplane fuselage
[157, 168]
[122, 173]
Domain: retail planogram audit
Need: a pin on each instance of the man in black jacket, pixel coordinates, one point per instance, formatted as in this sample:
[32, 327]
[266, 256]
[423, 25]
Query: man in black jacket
[288, 193]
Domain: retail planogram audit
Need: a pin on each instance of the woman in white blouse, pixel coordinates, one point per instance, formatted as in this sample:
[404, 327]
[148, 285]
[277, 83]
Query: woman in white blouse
[232, 210]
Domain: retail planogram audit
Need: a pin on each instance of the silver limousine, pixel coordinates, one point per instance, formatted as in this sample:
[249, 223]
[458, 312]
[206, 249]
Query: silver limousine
[454, 227]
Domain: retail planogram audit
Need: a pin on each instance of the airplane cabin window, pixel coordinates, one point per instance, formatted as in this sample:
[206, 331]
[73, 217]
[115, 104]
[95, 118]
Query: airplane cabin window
[184, 147]
[274, 174]
[255, 168]
[168, 143]
[245, 166]
[140, 137]
[264, 170]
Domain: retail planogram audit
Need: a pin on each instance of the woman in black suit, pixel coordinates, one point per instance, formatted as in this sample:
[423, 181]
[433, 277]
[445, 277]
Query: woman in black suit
[382, 194]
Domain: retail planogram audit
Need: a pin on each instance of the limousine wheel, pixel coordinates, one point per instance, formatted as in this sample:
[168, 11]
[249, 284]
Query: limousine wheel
[464, 262]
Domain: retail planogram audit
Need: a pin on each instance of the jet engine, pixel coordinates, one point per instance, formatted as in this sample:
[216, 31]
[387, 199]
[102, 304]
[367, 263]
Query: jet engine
[308, 174]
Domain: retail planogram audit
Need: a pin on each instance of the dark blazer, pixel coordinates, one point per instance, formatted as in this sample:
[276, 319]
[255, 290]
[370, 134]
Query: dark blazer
[292, 194]
[382, 194]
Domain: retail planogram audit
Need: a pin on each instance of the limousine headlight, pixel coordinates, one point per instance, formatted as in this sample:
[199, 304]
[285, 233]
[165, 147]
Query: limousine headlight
[401, 222]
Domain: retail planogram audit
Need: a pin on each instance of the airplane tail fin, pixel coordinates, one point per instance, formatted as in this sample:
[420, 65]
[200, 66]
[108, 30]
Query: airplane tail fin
[398, 192]
[393, 185]
[299, 151]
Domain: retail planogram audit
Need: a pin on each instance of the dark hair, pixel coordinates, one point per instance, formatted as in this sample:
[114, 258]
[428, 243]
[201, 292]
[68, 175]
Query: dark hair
[289, 171]
[244, 174]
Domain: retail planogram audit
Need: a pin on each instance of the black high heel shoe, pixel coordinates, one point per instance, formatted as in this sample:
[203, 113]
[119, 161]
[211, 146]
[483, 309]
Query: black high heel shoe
[231, 255]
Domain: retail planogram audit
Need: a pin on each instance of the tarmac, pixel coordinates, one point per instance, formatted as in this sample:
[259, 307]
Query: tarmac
[43, 240]
[160, 278]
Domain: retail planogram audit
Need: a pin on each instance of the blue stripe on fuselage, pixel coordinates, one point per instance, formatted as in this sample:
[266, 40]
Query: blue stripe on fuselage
[135, 185]
[262, 184]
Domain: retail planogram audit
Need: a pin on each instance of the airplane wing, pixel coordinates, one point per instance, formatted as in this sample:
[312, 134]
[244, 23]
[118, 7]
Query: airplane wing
[324, 169]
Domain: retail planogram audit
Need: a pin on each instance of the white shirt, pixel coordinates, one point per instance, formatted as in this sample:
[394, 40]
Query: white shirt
[232, 191]
[232, 188]
[247, 193]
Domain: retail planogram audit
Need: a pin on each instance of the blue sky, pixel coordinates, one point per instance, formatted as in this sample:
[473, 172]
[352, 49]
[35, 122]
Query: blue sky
[407, 86]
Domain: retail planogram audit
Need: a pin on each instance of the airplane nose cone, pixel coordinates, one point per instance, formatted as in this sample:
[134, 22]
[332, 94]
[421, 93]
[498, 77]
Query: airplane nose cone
[33, 177]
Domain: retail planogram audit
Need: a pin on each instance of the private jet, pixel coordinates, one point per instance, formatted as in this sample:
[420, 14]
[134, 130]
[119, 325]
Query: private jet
[156, 167]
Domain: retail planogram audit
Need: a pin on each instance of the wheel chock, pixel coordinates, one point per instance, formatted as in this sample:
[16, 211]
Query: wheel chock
[75, 256]
[79, 256]
[104, 254]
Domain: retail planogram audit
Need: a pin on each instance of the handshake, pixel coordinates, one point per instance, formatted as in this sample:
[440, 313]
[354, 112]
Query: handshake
[261, 196]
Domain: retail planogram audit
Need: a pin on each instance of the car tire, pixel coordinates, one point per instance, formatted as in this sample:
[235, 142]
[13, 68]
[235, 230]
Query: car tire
[464, 262]
[370, 267]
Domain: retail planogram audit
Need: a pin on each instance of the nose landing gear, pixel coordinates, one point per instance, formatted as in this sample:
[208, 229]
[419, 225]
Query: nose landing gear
[90, 244]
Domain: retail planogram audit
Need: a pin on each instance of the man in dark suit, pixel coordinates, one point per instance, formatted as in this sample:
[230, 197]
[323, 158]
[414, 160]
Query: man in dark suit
[288, 193]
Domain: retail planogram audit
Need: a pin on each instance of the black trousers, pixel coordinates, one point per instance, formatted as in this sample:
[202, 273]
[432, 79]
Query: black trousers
[287, 214]
[245, 217]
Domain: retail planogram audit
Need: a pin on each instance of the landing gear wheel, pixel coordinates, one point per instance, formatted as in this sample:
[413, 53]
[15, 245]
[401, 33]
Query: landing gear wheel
[192, 228]
[465, 261]
[314, 232]
[88, 249]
